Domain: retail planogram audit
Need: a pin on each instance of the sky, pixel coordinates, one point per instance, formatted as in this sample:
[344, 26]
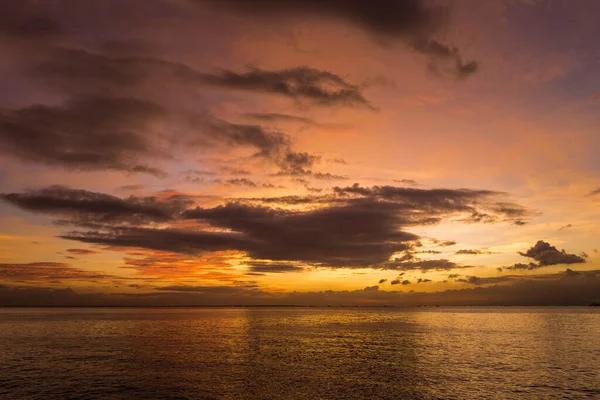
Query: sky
[292, 152]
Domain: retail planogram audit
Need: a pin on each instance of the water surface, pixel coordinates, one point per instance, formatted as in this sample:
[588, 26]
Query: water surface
[300, 353]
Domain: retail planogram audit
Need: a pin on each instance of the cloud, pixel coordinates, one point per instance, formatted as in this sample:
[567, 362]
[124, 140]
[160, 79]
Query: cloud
[274, 267]
[336, 236]
[557, 289]
[235, 171]
[423, 265]
[295, 163]
[410, 182]
[399, 281]
[131, 188]
[475, 280]
[546, 254]
[328, 177]
[371, 288]
[83, 207]
[473, 252]
[238, 182]
[351, 227]
[45, 271]
[444, 243]
[26, 20]
[595, 192]
[276, 117]
[116, 111]
[301, 83]
[382, 281]
[411, 22]
[523, 266]
[174, 240]
[338, 161]
[273, 146]
[488, 208]
[87, 133]
[82, 252]
[444, 60]
[168, 265]
[81, 71]
[203, 289]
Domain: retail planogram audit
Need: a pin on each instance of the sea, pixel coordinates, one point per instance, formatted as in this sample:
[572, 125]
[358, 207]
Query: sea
[300, 353]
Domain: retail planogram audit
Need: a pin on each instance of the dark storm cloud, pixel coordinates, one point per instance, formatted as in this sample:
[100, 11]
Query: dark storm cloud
[87, 133]
[413, 22]
[84, 207]
[546, 254]
[300, 83]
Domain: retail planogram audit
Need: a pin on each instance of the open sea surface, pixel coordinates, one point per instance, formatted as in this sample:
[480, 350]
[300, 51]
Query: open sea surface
[300, 353]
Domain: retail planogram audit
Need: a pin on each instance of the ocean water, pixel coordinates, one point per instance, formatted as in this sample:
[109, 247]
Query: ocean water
[300, 353]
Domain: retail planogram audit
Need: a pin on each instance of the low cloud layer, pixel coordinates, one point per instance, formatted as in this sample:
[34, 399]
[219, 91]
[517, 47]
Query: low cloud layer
[560, 289]
[353, 226]
[46, 271]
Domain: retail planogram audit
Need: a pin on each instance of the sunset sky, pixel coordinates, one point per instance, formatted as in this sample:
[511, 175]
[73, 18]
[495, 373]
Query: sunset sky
[189, 152]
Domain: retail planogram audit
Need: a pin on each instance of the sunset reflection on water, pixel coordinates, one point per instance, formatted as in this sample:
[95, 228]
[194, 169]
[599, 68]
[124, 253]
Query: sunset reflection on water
[300, 353]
